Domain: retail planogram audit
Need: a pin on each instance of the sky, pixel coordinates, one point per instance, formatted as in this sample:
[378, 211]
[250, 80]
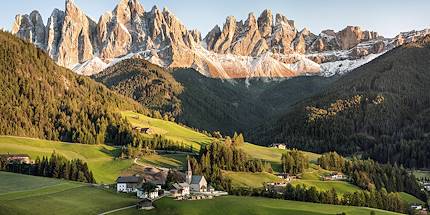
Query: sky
[387, 17]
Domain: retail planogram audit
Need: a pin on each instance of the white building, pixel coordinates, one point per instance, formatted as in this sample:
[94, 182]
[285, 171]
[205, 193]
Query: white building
[142, 194]
[278, 146]
[180, 190]
[337, 176]
[417, 207]
[197, 183]
[128, 184]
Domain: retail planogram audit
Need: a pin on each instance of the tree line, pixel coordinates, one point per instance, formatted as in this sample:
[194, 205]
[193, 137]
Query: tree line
[370, 175]
[373, 199]
[218, 156]
[294, 162]
[55, 166]
[143, 145]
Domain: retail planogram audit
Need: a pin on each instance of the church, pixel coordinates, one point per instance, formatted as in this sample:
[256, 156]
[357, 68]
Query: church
[197, 183]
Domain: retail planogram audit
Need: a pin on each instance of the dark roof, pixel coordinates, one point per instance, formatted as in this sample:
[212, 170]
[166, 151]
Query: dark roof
[128, 179]
[196, 179]
[146, 200]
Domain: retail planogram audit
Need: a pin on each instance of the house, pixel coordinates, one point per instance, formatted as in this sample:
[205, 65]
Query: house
[427, 186]
[416, 207]
[17, 158]
[147, 131]
[197, 183]
[337, 176]
[180, 190]
[144, 130]
[279, 145]
[142, 194]
[145, 204]
[128, 184]
[287, 177]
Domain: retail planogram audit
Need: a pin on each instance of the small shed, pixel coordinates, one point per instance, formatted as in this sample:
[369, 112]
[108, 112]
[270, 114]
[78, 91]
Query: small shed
[145, 204]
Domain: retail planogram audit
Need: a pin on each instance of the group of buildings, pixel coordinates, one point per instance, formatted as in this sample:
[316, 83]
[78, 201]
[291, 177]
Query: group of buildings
[194, 187]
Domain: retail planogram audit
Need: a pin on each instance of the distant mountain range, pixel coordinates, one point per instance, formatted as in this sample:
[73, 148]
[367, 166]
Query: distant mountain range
[268, 46]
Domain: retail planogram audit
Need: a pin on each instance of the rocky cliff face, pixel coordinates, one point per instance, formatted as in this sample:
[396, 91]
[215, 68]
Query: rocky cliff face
[267, 46]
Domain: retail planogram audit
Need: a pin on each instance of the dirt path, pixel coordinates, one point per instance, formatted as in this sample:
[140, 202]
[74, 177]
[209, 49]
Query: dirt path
[119, 209]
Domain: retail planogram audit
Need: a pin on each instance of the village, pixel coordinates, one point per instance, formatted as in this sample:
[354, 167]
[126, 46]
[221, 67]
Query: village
[194, 187]
[149, 189]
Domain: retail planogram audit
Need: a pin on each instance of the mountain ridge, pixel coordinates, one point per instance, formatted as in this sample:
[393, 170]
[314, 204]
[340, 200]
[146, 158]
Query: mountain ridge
[266, 46]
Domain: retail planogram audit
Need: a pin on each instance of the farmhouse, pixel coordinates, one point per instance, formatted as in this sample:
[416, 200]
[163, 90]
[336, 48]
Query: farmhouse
[180, 190]
[141, 193]
[128, 184]
[278, 145]
[427, 186]
[145, 195]
[416, 207]
[337, 176]
[17, 158]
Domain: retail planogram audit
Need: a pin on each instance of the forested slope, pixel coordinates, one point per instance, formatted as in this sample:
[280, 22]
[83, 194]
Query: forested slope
[40, 99]
[381, 109]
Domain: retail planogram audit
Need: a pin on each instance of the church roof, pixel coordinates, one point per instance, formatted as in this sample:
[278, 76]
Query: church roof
[196, 179]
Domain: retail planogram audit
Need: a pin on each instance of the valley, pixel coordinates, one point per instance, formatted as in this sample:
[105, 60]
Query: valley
[103, 161]
[135, 113]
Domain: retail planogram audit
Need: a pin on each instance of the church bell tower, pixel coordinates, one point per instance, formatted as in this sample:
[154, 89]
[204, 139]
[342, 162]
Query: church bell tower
[189, 173]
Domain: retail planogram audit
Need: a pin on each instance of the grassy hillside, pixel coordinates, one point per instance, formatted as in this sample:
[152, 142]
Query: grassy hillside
[341, 187]
[100, 158]
[43, 100]
[380, 110]
[249, 179]
[249, 206]
[173, 161]
[168, 129]
[22, 194]
[421, 174]
[410, 199]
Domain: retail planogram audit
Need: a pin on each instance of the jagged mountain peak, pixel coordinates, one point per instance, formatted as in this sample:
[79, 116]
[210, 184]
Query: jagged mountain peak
[240, 49]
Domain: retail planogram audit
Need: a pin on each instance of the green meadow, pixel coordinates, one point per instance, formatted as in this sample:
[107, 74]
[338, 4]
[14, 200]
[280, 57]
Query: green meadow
[248, 206]
[23, 194]
[169, 130]
[100, 158]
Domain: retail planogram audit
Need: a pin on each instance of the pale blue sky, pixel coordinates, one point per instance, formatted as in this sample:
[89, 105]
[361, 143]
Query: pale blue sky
[388, 17]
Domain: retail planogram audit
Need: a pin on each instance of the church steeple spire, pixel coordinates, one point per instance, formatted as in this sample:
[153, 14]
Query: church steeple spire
[189, 173]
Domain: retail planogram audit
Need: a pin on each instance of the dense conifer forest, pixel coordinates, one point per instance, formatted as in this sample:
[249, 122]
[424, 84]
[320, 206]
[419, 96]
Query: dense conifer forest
[370, 175]
[42, 100]
[380, 110]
